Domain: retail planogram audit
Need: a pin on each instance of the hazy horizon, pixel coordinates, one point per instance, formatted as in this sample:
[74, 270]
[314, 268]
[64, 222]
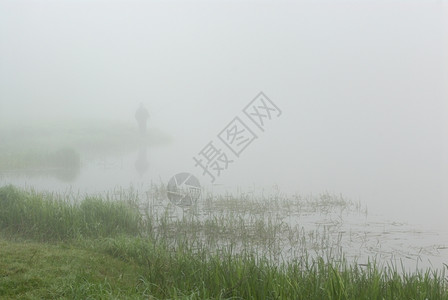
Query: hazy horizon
[362, 85]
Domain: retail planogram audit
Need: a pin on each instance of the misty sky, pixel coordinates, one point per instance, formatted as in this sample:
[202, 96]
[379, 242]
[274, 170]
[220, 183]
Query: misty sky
[363, 85]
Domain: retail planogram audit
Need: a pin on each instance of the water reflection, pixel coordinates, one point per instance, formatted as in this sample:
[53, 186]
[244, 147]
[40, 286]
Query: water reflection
[67, 175]
[63, 164]
[141, 163]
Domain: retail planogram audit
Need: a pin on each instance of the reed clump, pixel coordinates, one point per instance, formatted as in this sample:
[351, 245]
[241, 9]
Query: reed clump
[46, 217]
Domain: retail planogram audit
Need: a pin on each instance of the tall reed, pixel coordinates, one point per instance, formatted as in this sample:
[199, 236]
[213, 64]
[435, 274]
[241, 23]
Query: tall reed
[47, 217]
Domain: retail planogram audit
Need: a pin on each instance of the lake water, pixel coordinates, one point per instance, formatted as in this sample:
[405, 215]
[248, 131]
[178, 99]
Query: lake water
[402, 223]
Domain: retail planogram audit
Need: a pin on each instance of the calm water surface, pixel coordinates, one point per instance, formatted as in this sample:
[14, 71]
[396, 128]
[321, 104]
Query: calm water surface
[390, 227]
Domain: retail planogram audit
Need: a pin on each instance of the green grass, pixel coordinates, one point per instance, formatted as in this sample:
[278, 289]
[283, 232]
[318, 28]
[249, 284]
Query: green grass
[52, 271]
[45, 217]
[54, 247]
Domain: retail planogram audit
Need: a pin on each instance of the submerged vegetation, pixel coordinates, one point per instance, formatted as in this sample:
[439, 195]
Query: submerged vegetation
[117, 246]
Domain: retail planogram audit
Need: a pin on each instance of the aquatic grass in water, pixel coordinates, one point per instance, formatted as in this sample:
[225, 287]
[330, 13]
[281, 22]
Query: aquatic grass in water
[278, 234]
[128, 267]
[170, 273]
[198, 255]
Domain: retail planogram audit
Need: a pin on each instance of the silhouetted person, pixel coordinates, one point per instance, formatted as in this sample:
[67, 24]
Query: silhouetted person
[142, 116]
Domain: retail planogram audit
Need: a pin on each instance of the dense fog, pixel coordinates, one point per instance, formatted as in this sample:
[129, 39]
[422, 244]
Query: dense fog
[362, 87]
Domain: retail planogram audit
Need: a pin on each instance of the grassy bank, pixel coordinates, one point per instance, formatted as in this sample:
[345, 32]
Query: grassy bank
[53, 247]
[30, 270]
